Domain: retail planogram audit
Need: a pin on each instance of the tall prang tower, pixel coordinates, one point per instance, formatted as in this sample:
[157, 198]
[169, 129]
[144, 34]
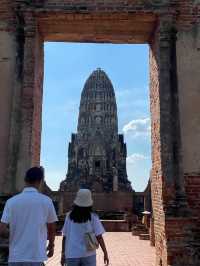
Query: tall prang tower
[97, 153]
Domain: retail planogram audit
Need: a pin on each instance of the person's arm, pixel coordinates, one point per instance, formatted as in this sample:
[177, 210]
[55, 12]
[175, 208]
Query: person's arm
[5, 221]
[103, 246]
[99, 231]
[51, 230]
[63, 251]
[4, 231]
[51, 227]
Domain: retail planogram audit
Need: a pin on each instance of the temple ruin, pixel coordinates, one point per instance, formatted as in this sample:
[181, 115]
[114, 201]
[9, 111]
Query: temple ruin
[97, 153]
[172, 30]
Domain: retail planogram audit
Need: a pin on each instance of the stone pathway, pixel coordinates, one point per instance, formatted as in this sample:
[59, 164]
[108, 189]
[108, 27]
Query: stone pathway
[123, 248]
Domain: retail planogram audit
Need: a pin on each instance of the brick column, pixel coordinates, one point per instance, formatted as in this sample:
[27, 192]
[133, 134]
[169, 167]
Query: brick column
[171, 146]
[151, 232]
[31, 100]
[156, 173]
[168, 191]
[9, 78]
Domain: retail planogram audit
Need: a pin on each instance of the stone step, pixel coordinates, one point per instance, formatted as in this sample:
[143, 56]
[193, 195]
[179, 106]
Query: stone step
[144, 237]
[137, 232]
[139, 229]
[139, 225]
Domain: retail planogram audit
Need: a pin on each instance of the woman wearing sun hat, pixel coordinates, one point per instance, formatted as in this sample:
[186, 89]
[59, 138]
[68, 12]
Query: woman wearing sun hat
[79, 231]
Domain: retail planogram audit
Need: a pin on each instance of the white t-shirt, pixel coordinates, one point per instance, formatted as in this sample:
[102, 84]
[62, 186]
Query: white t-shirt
[75, 241]
[27, 215]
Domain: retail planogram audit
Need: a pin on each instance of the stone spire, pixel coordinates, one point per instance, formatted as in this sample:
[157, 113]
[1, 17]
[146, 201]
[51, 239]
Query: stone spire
[98, 108]
[97, 154]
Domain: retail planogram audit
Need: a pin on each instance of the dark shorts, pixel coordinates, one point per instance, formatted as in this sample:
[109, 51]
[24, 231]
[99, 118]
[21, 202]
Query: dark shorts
[86, 261]
[25, 264]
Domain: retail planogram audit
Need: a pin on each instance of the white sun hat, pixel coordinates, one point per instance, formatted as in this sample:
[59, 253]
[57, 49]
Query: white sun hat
[83, 198]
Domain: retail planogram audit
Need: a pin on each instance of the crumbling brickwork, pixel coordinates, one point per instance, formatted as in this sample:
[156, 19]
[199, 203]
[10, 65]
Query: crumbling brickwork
[172, 30]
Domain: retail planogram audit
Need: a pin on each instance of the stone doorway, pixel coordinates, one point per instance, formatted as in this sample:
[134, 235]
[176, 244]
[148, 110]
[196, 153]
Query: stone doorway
[27, 24]
[61, 115]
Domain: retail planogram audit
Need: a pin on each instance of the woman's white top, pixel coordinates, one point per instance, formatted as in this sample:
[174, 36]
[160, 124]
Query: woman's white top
[75, 236]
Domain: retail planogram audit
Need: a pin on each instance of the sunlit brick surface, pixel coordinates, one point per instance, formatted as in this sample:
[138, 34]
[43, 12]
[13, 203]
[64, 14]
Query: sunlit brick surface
[123, 248]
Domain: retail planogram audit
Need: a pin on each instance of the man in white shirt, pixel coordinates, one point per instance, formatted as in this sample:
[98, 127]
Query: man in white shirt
[31, 218]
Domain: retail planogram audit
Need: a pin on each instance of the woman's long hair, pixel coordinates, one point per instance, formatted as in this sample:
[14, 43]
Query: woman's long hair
[80, 214]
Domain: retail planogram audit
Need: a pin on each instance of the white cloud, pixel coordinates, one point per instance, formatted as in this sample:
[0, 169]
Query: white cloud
[53, 178]
[135, 157]
[138, 127]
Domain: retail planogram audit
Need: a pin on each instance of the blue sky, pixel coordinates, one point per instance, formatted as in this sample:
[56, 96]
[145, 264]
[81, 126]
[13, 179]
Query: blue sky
[67, 66]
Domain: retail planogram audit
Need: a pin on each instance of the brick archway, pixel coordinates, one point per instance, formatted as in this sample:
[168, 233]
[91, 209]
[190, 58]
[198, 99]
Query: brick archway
[149, 21]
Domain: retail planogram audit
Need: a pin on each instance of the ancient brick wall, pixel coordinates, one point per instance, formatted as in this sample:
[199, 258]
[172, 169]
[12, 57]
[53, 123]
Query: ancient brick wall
[174, 62]
[188, 59]
[174, 223]
[156, 173]
[10, 78]
[193, 193]
[107, 202]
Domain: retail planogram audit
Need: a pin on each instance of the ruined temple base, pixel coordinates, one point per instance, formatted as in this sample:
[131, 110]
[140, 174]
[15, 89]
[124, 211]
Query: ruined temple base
[103, 202]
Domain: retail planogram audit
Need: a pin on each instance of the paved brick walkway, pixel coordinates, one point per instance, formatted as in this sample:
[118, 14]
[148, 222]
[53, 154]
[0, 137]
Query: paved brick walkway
[123, 248]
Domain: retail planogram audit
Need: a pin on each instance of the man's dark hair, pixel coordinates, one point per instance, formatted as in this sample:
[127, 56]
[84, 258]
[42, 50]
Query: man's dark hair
[34, 175]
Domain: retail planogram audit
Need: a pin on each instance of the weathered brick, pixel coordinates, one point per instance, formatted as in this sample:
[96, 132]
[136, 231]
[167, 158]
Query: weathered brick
[32, 22]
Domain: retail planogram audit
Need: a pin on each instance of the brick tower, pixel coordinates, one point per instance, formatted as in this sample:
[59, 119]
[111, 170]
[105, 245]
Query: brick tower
[97, 153]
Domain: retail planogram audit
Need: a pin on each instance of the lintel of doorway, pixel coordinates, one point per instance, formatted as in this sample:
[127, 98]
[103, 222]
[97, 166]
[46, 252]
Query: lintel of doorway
[102, 28]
